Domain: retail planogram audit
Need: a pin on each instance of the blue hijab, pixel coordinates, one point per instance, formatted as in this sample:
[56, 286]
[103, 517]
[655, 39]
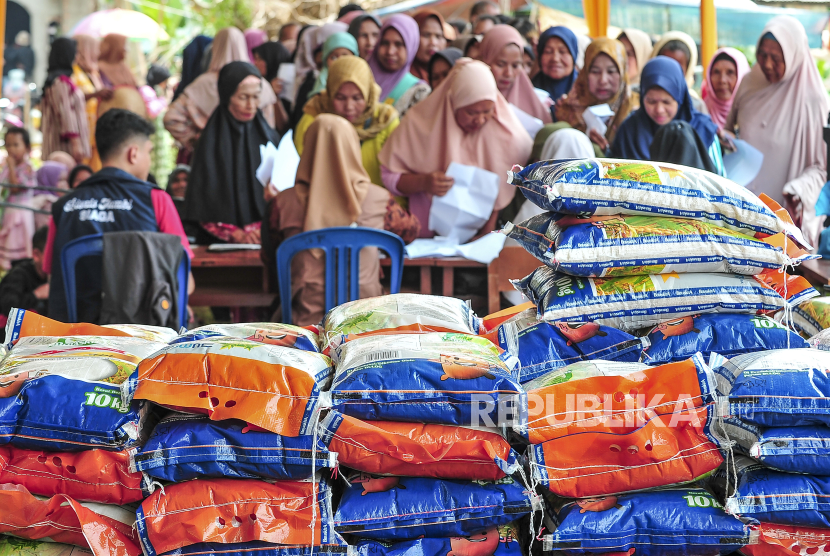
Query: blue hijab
[192, 62]
[636, 133]
[557, 87]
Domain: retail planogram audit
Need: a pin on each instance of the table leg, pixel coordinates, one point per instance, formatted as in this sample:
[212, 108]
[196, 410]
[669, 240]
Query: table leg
[426, 280]
[449, 274]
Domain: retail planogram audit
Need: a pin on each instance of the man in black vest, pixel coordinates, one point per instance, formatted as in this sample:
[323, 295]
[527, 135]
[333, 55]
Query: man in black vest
[115, 199]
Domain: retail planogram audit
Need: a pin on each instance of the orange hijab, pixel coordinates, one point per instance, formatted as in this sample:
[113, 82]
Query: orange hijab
[111, 61]
[521, 94]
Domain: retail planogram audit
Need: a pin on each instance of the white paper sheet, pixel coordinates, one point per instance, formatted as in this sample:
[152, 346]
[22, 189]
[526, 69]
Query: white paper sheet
[532, 125]
[267, 154]
[542, 94]
[278, 164]
[596, 117]
[467, 205]
[744, 164]
[482, 250]
[287, 73]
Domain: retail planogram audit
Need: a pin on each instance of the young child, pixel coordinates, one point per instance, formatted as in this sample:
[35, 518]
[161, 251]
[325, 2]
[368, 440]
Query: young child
[18, 224]
[25, 285]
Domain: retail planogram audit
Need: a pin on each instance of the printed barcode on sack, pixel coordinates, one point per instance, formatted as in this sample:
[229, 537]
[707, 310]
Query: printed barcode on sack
[383, 355]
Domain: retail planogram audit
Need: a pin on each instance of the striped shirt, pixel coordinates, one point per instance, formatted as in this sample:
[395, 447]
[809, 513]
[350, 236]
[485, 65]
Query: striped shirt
[64, 117]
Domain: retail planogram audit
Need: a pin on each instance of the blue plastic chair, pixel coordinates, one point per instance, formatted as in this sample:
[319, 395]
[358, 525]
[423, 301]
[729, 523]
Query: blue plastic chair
[94, 245]
[342, 247]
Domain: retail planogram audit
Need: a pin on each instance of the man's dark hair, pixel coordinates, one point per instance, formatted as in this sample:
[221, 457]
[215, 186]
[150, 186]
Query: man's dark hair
[349, 8]
[675, 45]
[523, 25]
[39, 239]
[459, 24]
[116, 127]
[285, 27]
[492, 18]
[479, 7]
[24, 134]
[77, 170]
[503, 19]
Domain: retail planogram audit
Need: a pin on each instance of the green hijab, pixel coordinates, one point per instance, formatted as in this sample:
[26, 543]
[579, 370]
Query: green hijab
[337, 40]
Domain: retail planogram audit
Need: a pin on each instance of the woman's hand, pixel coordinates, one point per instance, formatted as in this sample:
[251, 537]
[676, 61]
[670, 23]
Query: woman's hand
[76, 149]
[437, 183]
[598, 139]
[104, 94]
[727, 138]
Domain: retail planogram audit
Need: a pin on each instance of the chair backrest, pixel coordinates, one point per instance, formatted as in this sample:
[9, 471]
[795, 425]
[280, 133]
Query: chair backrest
[342, 254]
[94, 245]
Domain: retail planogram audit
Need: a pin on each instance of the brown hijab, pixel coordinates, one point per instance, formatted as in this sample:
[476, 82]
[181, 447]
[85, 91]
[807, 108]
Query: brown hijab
[111, 62]
[570, 108]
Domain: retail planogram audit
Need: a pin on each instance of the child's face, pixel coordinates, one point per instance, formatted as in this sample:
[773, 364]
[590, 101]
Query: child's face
[15, 146]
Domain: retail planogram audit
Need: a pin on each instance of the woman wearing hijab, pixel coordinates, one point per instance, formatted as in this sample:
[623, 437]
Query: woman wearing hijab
[558, 50]
[440, 65]
[665, 99]
[466, 120]
[431, 30]
[111, 62]
[723, 77]
[780, 109]
[391, 60]
[192, 62]
[312, 52]
[681, 47]
[64, 125]
[336, 46]
[502, 50]
[254, 38]
[267, 58]
[351, 92]
[86, 77]
[366, 29]
[224, 195]
[603, 80]
[188, 115]
[637, 52]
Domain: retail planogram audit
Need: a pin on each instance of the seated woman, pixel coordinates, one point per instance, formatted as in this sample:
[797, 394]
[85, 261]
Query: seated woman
[723, 77]
[366, 29]
[336, 46]
[502, 50]
[391, 60]
[681, 47]
[603, 80]
[665, 99]
[224, 195]
[331, 189]
[440, 65]
[466, 121]
[558, 50]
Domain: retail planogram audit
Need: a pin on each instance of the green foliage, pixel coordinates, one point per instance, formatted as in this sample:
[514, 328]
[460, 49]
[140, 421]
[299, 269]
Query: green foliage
[823, 68]
[224, 13]
[749, 52]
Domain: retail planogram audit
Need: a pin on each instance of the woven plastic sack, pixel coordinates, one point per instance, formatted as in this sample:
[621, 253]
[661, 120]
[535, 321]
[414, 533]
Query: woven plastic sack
[495, 541]
[258, 548]
[789, 540]
[795, 449]
[275, 334]
[23, 323]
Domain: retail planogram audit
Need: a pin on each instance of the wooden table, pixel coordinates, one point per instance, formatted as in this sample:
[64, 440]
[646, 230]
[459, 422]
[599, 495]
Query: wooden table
[447, 266]
[229, 279]
[817, 272]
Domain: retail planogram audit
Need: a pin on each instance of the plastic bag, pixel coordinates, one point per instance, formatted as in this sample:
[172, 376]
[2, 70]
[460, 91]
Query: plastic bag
[727, 334]
[274, 388]
[451, 379]
[24, 323]
[257, 548]
[612, 186]
[106, 530]
[235, 511]
[632, 302]
[276, 334]
[184, 447]
[398, 314]
[603, 396]
[667, 450]
[145, 331]
[813, 316]
[405, 508]
[418, 450]
[795, 449]
[788, 540]
[619, 245]
[667, 522]
[88, 476]
[542, 346]
[495, 541]
[779, 388]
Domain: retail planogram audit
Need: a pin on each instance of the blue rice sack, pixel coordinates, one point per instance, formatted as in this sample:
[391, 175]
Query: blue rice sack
[406, 508]
[541, 346]
[777, 497]
[779, 388]
[794, 449]
[449, 379]
[686, 522]
[59, 414]
[495, 541]
[619, 245]
[184, 447]
[612, 186]
[726, 334]
[276, 334]
[633, 302]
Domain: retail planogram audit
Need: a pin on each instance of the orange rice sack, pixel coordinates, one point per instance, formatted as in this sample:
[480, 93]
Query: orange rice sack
[235, 511]
[604, 396]
[789, 540]
[106, 530]
[271, 387]
[24, 323]
[666, 450]
[90, 476]
[418, 450]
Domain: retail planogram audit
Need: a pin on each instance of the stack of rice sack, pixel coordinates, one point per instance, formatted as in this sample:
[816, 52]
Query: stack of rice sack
[66, 427]
[419, 408]
[239, 445]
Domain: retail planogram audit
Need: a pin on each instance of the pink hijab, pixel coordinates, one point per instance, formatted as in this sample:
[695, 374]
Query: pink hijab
[521, 94]
[429, 138]
[719, 109]
[785, 122]
[254, 38]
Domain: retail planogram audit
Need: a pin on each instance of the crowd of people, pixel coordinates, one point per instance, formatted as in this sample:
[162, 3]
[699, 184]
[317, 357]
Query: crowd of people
[378, 111]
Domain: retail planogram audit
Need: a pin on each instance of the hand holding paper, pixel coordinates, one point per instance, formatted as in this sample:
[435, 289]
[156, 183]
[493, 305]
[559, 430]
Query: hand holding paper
[467, 205]
[279, 164]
